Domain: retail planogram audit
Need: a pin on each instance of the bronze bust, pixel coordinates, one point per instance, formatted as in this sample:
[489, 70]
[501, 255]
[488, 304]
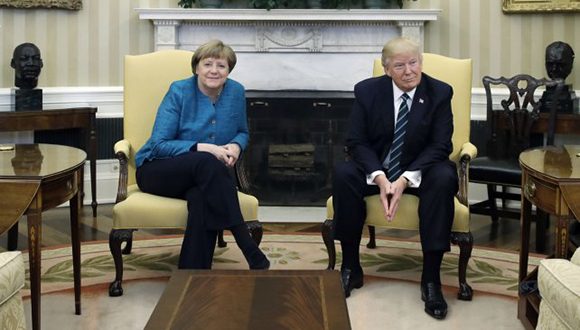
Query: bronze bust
[559, 60]
[559, 63]
[27, 64]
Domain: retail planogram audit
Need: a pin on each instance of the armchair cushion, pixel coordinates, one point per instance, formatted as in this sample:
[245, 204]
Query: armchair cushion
[142, 210]
[409, 205]
[559, 285]
[11, 281]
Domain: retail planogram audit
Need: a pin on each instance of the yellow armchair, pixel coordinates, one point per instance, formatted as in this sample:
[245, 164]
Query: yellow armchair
[457, 73]
[147, 79]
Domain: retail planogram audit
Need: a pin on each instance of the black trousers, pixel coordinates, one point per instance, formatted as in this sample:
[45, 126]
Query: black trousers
[212, 200]
[439, 184]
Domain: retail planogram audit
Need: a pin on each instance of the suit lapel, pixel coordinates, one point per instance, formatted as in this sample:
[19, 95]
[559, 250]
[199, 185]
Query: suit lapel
[418, 107]
[384, 104]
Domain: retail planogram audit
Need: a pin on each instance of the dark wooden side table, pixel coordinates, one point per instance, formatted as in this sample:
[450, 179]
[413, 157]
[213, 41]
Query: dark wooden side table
[34, 178]
[84, 117]
[551, 182]
[249, 299]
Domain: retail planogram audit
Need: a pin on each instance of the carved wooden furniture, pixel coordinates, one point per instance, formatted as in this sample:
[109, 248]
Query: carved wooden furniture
[551, 182]
[147, 79]
[57, 119]
[457, 73]
[34, 178]
[510, 129]
[243, 299]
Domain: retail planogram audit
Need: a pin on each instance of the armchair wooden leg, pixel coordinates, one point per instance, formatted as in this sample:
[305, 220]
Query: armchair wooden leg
[129, 243]
[116, 238]
[465, 242]
[328, 238]
[492, 204]
[256, 231]
[372, 241]
[221, 243]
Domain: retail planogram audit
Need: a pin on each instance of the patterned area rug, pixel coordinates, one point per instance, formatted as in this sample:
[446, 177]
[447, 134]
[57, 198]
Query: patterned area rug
[489, 270]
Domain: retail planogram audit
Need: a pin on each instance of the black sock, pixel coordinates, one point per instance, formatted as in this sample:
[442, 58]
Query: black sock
[254, 256]
[432, 267]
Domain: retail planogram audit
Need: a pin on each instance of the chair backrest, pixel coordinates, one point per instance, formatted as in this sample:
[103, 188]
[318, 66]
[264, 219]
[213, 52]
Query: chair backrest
[510, 125]
[147, 79]
[457, 73]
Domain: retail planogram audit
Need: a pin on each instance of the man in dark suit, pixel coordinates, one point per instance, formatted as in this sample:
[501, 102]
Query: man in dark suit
[399, 141]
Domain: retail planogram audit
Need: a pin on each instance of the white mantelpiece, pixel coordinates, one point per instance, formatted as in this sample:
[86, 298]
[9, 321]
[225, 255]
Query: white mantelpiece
[315, 49]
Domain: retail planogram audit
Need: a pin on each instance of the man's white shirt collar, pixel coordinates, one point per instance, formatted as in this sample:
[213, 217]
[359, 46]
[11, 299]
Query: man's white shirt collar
[397, 92]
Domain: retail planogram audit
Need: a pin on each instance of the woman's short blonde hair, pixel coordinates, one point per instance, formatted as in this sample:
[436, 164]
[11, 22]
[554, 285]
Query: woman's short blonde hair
[400, 45]
[214, 49]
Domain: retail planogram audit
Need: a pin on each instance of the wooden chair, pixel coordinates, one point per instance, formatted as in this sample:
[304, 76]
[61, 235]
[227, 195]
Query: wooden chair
[457, 73]
[509, 134]
[147, 79]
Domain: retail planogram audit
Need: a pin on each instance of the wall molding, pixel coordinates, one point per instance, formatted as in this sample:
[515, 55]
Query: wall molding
[109, 100]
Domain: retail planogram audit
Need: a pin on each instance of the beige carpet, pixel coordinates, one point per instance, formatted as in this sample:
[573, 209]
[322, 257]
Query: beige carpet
[489, 271]
[390, 298]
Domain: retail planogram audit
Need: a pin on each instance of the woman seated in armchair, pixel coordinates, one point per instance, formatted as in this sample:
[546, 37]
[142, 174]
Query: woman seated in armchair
[199, 132]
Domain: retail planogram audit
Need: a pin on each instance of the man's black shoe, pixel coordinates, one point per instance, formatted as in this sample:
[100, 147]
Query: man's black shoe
[351, 280]
[435, 304]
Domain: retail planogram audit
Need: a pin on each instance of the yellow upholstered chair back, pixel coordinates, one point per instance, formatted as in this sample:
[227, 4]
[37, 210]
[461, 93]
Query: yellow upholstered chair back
[457, 73]
[147, 79]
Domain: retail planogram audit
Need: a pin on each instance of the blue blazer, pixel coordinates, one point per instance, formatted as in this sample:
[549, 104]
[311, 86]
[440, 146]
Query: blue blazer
[186, 116]
[429, 131]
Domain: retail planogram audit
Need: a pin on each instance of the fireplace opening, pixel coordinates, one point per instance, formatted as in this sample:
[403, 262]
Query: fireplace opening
[296, 138]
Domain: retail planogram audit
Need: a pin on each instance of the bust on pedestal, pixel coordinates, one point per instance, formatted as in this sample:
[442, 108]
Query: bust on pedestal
[559, 62]
[27, 64]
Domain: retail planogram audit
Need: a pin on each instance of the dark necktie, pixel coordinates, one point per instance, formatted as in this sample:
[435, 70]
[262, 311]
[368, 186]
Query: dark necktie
[394, 169]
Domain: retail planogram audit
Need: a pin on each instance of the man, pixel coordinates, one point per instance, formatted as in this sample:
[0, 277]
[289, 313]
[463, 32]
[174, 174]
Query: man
[27, 64]
[399, 141]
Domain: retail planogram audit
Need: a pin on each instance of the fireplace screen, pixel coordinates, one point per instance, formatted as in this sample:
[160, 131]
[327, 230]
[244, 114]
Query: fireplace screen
[295, 140]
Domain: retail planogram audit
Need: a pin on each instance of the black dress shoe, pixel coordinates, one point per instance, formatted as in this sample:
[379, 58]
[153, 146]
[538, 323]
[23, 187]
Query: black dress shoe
[351, 280]
[435, 304]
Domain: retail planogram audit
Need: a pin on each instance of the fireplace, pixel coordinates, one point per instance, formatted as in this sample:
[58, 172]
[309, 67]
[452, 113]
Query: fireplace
[296, 137]
[299, 67]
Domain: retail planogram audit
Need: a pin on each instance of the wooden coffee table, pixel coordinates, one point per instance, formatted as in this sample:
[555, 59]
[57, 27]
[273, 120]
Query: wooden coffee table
[245, 299]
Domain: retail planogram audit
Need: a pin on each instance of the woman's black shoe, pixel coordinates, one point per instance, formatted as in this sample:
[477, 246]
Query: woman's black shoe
[351, 280]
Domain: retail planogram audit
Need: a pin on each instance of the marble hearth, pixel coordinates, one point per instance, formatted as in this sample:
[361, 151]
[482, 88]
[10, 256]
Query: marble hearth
[304, 49]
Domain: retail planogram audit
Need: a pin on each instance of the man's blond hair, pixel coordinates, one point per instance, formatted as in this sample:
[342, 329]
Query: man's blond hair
[400, 45]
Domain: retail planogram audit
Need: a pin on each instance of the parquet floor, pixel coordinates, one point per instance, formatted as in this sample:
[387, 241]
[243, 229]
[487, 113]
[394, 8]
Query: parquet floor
[504, 235]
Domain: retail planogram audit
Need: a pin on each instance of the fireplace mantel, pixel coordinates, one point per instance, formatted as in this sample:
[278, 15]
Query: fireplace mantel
[316, 49]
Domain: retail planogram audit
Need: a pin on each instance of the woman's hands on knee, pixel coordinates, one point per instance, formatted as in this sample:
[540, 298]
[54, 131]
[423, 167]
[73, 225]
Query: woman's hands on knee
[227, 154]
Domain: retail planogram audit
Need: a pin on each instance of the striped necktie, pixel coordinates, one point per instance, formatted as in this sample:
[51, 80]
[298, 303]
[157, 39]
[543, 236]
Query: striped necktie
[394, 169]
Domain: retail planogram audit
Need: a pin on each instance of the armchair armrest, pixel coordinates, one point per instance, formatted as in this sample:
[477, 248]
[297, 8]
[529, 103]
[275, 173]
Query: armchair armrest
[467, 153]
[122, 149]
[576, 257]
[468, 149]
[123, 146]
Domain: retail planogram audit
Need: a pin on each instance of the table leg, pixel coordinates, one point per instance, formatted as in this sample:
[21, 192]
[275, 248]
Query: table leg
[76, 249]
[526, 217]
[93, 162]
[34, 219]
[562, 237]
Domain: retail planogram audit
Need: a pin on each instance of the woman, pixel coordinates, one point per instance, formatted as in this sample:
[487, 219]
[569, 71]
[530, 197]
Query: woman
[200, 131]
